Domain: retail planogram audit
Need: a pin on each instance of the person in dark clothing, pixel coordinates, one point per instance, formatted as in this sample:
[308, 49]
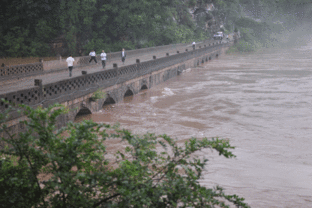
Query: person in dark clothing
[123, 56]
[70, 63]
[93, 56]
[103, 58]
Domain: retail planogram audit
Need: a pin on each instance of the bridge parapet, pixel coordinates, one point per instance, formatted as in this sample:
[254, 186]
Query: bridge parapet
[17, 70]
[71, 88]
[9, 72]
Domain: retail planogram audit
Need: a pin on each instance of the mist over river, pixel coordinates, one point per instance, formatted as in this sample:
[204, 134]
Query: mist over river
[262, 102]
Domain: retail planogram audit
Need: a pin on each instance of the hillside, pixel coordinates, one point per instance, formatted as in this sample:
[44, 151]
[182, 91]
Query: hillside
[59, 27]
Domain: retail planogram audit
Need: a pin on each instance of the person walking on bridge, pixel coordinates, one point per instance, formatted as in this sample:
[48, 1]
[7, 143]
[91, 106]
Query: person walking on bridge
[193, 44]
[123, 56]
[70, 63]
[93, 56]
[103, 58]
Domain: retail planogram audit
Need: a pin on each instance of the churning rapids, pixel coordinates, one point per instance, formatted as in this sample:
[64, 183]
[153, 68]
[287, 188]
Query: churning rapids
[262, 102]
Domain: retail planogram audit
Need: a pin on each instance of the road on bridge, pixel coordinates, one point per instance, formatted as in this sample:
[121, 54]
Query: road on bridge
[16, 84]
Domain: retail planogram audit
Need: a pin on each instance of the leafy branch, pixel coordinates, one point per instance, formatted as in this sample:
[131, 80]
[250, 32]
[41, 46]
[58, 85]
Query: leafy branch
[73, 166]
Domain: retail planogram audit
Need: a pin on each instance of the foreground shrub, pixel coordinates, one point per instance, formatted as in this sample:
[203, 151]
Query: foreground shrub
[72, 167]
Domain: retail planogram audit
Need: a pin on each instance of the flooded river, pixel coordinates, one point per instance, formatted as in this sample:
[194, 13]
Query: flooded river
[262, 102]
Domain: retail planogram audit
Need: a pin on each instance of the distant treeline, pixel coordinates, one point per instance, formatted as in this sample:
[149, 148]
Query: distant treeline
[34, 28]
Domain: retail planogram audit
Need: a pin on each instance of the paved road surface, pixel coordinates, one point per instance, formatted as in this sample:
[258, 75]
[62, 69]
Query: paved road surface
[28, 82]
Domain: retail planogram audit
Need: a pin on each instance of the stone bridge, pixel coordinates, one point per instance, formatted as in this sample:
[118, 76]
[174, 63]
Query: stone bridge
[46, 83]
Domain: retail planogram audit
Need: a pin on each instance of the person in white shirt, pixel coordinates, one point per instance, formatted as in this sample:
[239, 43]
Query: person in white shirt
[103, 58]
[123, 56]
[70, 63]
[193, 44]
[93, 56]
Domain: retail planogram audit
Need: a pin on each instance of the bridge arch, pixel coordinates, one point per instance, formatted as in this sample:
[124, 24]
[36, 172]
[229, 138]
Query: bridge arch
[108, 101]
[83, 111]
[144, 87]
[128, 93]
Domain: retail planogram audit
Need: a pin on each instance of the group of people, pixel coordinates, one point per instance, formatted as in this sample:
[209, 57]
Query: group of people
[70, 60]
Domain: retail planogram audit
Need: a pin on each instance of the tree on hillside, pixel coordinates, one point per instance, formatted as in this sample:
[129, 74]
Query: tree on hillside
[143, 22]
[76, 20]
[29, 27]
[76, 167]
[26, 27]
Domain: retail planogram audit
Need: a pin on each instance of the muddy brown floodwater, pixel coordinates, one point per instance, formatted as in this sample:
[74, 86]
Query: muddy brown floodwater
[262, 102]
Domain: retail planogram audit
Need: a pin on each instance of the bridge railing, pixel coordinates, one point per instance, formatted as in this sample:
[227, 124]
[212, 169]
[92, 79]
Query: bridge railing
[82, 61]
[71, 88]
[17, 70]
[9, 72]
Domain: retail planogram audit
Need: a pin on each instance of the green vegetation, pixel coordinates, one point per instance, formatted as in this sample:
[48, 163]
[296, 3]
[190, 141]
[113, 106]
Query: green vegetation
[99, 94]
[77, 167]
[29, 27]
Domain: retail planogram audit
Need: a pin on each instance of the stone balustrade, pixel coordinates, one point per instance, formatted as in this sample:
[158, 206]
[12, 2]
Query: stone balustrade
[71, 88]
[9, 72]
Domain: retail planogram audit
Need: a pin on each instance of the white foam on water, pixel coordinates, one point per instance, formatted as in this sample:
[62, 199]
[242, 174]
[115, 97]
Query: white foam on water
[167, 92]
[154, 99]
